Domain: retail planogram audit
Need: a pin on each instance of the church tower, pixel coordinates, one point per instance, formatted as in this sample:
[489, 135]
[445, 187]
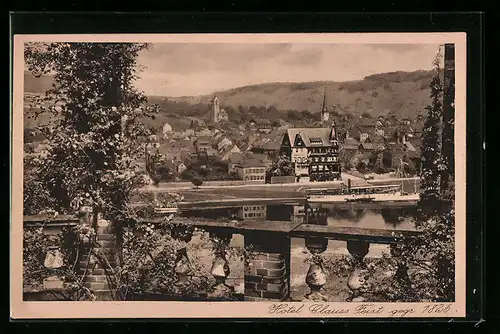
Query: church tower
[333, 132]
[325, 115]
[214, 117]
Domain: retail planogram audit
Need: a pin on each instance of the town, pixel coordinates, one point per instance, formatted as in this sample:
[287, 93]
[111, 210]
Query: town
[267, 150]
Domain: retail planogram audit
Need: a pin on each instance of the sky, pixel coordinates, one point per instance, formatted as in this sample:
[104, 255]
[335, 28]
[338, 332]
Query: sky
[172, 69]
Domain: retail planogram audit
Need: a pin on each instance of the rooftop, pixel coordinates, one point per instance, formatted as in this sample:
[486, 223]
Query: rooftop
[310, 136]
[248, 163]
[261, 121]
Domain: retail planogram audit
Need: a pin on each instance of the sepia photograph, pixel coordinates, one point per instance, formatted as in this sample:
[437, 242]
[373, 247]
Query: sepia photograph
[292, 175]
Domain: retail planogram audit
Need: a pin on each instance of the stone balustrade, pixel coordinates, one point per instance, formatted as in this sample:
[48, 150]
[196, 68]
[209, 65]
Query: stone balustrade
[267, 258]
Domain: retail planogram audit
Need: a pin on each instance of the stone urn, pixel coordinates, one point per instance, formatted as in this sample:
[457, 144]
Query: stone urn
[220, 271]
[316, 279]
[53, 258]
[183, 266]
[356, 282]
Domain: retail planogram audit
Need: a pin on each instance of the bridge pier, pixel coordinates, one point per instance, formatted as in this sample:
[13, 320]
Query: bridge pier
[267, 266]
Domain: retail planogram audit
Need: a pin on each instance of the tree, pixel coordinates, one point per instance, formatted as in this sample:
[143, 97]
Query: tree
[361, 166]
[94, 136]
[282, 167]
[448, 142]
[433, 250]
[197, 181]
[431, 146]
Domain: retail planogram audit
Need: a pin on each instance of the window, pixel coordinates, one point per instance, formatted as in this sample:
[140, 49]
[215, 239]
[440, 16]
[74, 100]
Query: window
[316, 140]
[322, 159]
[329, 159]
[320, 167]
[245, 208]
[246, 215]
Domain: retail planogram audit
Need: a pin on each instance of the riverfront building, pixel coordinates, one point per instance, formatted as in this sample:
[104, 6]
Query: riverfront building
[251, 171]
[314, 153]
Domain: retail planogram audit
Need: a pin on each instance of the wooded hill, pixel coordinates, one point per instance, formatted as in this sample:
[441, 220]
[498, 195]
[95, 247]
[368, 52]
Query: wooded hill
[404, 94]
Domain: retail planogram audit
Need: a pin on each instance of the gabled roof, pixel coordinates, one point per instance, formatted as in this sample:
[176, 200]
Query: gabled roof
[319, 136]
[367, 146]
[366, 122]
[261, 157]
[248, 163]
[203, 139]
[391, 120]
[261, 121]
[228, 149]
[235, 158]
[272, 145]
[389, 130]
[376, 139]
[350, 144]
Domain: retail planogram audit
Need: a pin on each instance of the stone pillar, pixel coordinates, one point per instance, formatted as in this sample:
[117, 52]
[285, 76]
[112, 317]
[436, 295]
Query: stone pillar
[98, 260]
[316, 275]
[183, 267]
[267, 266]
[220, 266]
[355, 281]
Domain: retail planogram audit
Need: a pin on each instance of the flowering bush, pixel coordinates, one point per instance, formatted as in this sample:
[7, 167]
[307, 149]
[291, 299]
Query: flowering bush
[36, 246]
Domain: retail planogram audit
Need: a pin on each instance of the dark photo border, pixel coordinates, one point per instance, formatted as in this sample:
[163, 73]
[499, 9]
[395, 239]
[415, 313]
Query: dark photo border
[471, 23]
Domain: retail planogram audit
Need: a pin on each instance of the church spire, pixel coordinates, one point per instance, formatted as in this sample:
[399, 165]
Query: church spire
[324, 108]
[325, 115]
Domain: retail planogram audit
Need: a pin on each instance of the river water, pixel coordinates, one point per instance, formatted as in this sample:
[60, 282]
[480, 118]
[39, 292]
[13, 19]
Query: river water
[386, 219]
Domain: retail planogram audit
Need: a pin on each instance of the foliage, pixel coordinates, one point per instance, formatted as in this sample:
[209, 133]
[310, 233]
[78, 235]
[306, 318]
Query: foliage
[36, 245]
[282, 166]
[361, 166]
[150, 261]
[433, 250]
[36, 196]
[431, 146]
[197, 181]
[94, 141]
[94, 137]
